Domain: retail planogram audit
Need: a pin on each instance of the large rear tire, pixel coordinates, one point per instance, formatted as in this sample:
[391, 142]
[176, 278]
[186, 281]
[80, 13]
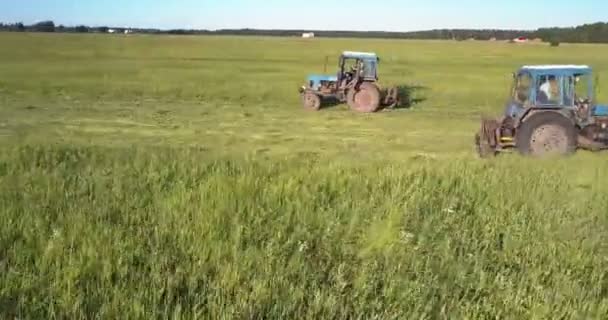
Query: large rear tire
[546, 133]
[365, 99]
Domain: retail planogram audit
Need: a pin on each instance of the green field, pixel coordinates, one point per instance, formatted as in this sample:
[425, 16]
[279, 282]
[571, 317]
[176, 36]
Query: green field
[157, 176]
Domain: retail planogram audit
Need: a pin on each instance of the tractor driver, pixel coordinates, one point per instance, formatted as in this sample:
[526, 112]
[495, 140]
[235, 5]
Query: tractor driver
[355, 68]
[352, 72]
[547, 89]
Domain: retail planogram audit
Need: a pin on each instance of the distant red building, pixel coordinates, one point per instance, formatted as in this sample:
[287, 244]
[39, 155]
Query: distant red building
[520, 39]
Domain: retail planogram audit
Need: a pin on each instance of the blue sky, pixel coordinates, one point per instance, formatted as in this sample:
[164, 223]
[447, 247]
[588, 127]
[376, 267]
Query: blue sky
[385, 15]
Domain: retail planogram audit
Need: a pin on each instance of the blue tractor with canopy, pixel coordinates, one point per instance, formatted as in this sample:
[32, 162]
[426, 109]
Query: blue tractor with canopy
[551, 111]
[355, 83]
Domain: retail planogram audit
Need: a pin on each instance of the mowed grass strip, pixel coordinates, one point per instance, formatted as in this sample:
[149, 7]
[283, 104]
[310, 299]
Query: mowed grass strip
[239, 94]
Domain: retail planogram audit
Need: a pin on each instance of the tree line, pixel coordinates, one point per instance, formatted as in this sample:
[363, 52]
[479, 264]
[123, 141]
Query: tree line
[588, 33]
[50, 26]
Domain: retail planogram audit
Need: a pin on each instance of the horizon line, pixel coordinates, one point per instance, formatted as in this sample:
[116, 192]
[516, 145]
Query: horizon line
[57, 24]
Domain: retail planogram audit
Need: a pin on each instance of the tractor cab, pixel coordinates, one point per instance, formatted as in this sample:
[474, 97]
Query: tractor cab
[568, 87]
[551, 110]
[358, 65]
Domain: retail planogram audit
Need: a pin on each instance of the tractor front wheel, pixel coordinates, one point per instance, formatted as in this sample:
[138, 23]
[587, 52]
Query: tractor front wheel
[311, 101]
[546, 133]
[365, 99]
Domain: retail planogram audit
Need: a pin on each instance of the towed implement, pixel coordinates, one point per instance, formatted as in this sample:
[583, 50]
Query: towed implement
[356, 83]
[551, 111]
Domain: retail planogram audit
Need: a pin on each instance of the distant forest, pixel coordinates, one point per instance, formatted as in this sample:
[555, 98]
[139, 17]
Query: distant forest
[588, 33]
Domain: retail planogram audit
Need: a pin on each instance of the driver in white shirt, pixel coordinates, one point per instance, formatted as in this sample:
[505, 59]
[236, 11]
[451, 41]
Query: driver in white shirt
[546, 88]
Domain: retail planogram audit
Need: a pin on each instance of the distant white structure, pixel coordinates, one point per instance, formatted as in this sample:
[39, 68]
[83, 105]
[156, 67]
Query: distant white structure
[308, 35]
[125, 31]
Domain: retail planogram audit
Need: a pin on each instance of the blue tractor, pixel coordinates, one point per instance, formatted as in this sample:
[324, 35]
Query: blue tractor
[356, 83]
[551, 111]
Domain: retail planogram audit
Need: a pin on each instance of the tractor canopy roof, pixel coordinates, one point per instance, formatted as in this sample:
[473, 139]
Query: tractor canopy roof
[557, 70]
[359, 55]
[317, 78]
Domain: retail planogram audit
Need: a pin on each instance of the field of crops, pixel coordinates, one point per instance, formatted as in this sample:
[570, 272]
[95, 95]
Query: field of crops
[156, 177]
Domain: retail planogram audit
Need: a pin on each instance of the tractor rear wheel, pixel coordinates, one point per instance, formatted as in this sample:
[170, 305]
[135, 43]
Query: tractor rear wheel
[546, 133]
[311, 101]
[365, 99]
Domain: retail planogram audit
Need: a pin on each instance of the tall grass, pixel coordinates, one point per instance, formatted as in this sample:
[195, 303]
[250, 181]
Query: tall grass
[158, 233]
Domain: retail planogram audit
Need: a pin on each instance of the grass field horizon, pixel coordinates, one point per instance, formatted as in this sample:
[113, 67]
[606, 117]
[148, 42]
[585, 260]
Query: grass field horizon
[157, 177]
